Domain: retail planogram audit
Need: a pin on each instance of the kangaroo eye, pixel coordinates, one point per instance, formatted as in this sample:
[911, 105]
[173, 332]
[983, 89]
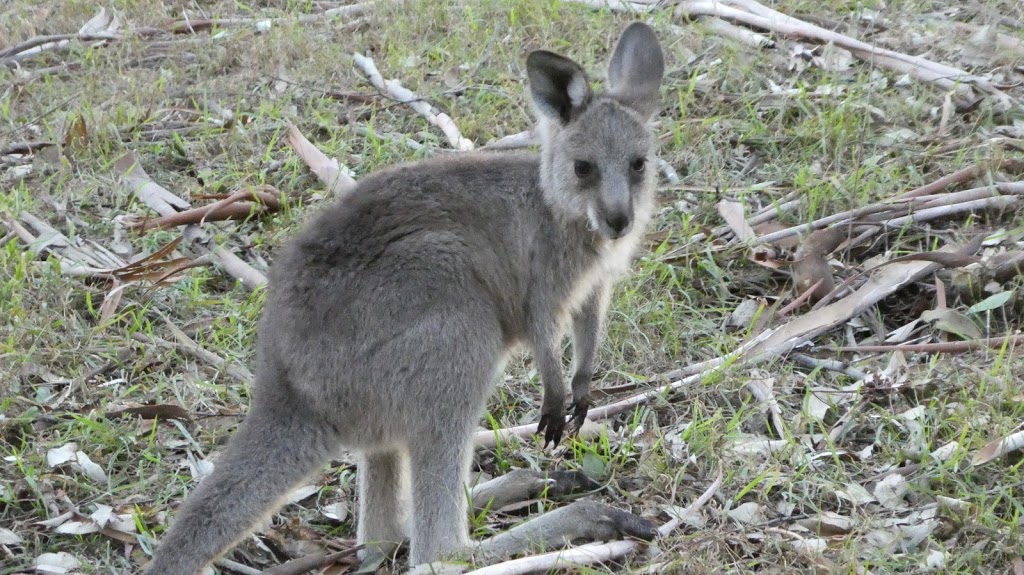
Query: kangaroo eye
[638, 164]
[582, 169]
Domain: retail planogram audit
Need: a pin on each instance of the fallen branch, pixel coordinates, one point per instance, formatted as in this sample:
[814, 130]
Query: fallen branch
[230, 208]
[940, 347]
[163, 202]
[804, 328]
[310, 562]
[395, 90]
[327, 170]
[907, 205]
[524, 484]
[593, 552]
[191, 26]
[752, 13]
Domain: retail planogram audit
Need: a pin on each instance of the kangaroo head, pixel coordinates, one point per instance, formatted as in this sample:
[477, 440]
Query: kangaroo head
[596, 148]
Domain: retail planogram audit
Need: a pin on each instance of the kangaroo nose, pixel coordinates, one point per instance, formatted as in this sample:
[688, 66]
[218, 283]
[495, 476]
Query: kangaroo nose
[617, 222]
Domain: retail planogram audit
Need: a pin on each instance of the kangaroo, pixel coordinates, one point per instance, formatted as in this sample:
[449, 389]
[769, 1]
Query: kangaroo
[390, 315]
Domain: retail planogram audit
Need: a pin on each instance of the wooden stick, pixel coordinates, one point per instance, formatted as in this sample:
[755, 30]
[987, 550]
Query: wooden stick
[940, 347]
[394, 89]
[163, 202]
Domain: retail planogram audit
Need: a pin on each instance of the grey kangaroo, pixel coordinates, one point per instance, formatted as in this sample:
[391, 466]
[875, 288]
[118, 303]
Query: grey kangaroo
[391, 313]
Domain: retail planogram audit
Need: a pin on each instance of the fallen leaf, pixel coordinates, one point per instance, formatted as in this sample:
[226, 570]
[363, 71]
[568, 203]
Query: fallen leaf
[812, 546]
[992, 302]
[61, 455]
[951, 321]
[998, 448]
[935, 559]
[8, 537]
[301, 493]
[77, 527]
[61, 562]
[735, 217]
[79, 461]
[856, 494]
[160, 411]
[828, 523]
[746, 514]
[337, 511]
[890, 491]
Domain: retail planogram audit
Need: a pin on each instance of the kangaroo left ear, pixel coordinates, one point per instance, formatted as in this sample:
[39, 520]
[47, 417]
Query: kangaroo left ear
[636, 69]
[559, 86]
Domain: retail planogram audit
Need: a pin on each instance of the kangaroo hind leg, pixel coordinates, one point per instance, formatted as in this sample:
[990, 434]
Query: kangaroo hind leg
[276, 447]
[383, 478]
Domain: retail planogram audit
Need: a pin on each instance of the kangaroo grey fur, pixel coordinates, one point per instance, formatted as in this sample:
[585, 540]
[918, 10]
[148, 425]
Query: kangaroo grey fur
[390, 315]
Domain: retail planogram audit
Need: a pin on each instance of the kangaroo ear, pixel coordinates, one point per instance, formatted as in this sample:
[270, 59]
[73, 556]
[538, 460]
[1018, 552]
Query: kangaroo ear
[559, 86]
[636, 69]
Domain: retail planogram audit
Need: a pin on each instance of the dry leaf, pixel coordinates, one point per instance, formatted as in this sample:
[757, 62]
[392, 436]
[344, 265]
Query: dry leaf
[301, 493]
[855, 494]
[78, 459]
[8, 537]
[809, 547]
[746, 514]
[998, 448]
[56, 563]
[161, 411]
[736, 219]
[828, 523]
[337, 511]
[890, 491]
[951, 321]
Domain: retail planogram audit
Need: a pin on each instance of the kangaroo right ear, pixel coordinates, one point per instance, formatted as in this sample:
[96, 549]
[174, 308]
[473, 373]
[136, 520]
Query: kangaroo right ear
[559, 86]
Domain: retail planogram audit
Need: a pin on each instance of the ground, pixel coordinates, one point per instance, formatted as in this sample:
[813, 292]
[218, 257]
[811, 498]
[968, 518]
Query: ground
[897, 491]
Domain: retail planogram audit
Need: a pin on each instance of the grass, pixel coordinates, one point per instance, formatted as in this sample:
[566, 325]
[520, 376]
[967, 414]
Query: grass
[843, 138]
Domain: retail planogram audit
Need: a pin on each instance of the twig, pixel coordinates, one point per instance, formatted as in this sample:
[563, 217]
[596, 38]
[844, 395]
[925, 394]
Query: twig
[163, 202]
[754, 14]
[191, 26]
[827, 364]
[237, 567]
[911, 200]
[940, 347]
[394, 89]
[740, 34]
[309, 562]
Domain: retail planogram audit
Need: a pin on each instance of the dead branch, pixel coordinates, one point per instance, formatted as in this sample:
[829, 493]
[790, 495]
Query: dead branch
[310, 562]
[940, 347]
[524, 484]
[588, 520]
[488, 439]
[230, 208]
[191, 26]
[804, 328]
[752, 13]
[193, 349]
[905, 206]
[593, 552]
[395, 90]
[327, 170]
[165, 203]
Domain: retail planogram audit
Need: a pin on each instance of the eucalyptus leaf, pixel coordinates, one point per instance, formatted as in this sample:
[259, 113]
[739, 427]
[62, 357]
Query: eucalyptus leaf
[992, 302]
